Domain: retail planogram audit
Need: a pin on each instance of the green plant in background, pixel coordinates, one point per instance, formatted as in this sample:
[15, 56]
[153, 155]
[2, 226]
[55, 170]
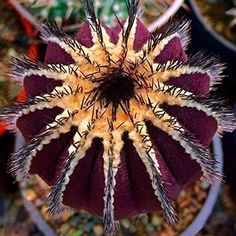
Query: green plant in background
[107, 8]
[71, 11]
[60, 10]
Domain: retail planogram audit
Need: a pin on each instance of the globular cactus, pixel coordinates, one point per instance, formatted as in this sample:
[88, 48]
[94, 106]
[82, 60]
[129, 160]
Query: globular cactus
[118, 120]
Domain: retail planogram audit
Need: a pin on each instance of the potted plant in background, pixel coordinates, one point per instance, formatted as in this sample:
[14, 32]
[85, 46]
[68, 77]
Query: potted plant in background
[154, 13]
[68, 14]
[12, 42]
[214, 24]
[218, 17]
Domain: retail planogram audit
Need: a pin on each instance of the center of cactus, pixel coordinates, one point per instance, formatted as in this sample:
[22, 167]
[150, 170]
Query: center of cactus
[116, 89]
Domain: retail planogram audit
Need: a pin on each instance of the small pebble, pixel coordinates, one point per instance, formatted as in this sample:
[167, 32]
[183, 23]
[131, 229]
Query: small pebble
[220, 27]
[64, 229]
[98, 230]
[38, 202]
[65, 216]
[76, 220]
[78, 232]
[88, 226]
[126, 223]
[185, 203]
[204, 185]
[156, 221]
[150, 228]
[30, 195]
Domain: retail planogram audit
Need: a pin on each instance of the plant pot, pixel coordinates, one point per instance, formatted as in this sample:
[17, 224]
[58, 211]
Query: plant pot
[51, 227]
[205, 37]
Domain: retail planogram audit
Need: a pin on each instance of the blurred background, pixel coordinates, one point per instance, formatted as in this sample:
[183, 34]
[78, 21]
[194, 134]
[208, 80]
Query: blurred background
[22, 210]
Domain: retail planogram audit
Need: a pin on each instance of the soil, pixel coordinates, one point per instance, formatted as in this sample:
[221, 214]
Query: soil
[215, 15]
[72, 223]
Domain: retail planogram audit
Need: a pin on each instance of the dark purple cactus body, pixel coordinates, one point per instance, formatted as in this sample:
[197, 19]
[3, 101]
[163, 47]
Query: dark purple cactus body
[118, 120]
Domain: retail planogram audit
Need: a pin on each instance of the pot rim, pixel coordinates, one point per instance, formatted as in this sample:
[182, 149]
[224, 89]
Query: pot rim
[160, 21]
[209, 29]
[208, 206]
